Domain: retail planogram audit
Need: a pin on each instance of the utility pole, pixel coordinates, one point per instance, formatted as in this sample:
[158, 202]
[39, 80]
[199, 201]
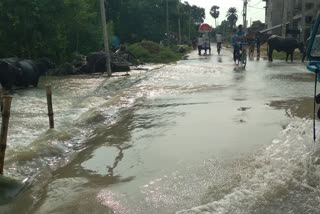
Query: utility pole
[179, 27]
[303, 20]
[284, 17]
[167, 23]
[189, 25]
[290, 15]
[245, 4]
[105, 37]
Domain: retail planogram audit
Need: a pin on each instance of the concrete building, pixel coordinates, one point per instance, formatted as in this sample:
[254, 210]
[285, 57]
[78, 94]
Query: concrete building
[291, 17]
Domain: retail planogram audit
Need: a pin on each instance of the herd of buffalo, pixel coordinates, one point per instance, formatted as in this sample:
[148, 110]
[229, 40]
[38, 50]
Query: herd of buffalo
[23, 73]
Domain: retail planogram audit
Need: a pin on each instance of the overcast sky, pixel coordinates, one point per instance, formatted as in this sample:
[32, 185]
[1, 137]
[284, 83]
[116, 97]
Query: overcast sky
[255, 9]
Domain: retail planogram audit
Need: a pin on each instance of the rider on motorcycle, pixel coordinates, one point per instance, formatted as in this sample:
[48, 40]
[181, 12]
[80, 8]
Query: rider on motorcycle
[235, 44]
[241, 36]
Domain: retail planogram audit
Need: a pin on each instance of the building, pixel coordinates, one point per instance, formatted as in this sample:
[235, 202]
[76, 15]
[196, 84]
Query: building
[291, 17]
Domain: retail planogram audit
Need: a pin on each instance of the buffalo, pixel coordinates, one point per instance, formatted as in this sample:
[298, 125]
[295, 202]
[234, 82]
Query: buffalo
[9, 72]
[22, 72]
[287, 45]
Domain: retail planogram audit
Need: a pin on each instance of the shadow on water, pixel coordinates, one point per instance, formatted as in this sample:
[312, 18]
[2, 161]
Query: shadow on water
[302, 107]
[239, 69]
[294, 77]
[9, 189]
[220, 59]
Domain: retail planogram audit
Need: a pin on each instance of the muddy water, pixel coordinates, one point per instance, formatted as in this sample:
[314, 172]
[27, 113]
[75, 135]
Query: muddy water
[199, 136]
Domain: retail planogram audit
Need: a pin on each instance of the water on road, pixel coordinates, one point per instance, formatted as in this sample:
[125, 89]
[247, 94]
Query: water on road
[199, 136]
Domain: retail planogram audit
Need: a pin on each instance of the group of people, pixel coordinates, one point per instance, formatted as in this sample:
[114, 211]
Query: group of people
[238, 41]
[203, 43]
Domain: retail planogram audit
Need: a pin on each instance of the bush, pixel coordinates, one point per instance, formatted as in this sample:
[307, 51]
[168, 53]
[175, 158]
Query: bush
[147, 51]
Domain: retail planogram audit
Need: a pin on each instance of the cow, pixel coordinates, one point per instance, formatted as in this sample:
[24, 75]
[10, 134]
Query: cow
[287, 45]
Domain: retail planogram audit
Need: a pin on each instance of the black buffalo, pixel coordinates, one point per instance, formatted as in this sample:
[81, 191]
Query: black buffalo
[287, 45]
[9, 72]
[22, 72]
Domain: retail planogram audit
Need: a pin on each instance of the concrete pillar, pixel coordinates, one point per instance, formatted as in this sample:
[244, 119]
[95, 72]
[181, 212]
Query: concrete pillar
[284, 17]
[303, 20]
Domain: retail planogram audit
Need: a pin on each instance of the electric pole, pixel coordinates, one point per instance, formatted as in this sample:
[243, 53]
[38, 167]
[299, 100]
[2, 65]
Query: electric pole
[105, 37]
[167, 23]
[189, 24]
[284, 18]
[303, 21]
[179, 27]
[245, 4]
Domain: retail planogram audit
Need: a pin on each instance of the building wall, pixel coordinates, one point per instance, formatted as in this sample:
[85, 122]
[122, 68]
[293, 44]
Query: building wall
[275, 13]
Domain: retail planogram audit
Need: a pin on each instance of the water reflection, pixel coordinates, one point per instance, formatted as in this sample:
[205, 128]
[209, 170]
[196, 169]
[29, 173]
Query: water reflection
[302, 107]
[116, 161]
[239, 74]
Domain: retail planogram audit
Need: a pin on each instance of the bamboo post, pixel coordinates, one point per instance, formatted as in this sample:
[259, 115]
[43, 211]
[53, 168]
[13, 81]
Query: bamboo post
[50, 109]
[4, 129]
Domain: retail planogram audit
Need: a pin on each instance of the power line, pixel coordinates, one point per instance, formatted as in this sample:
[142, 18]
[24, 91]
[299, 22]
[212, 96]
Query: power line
[255, 4]
[256, 7]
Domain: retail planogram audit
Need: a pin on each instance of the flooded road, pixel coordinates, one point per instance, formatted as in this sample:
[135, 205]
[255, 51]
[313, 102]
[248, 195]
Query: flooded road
[199, 136]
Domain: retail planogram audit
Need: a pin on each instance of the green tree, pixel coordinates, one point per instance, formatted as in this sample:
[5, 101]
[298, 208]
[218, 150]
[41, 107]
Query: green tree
[232, 16]
[58, 29]
[215, 13]
[34, 28]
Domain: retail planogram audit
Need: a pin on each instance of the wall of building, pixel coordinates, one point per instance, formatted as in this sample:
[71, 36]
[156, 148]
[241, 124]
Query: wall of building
[275, 13]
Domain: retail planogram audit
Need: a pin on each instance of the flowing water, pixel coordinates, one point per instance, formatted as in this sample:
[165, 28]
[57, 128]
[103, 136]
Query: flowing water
[199, 136]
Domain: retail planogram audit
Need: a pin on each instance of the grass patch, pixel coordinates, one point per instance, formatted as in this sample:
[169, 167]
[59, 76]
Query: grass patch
[147, 51]
[279, 55]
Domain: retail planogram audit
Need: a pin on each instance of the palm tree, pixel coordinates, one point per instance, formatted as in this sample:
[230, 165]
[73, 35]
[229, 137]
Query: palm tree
[215, 13]
[232, 16]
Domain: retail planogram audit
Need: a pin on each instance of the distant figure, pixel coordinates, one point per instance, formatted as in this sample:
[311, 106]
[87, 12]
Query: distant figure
[207, 45]
[115, 43]
[194, 43]
[241, 36]
[258, 45]
[251, 43]
[305, 49]
[200, 44]
[235, 44]
[219, 42]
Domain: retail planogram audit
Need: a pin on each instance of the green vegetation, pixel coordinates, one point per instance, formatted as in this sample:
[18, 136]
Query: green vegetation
[61, 29]
[147, 51]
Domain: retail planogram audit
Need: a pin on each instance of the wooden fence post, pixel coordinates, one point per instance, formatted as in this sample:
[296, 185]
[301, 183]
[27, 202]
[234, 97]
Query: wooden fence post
[4, 129]
[50, 109]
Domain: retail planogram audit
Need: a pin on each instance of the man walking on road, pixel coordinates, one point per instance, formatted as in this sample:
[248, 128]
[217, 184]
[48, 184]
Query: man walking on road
[235, 45]
[200, 44]
[219, 42]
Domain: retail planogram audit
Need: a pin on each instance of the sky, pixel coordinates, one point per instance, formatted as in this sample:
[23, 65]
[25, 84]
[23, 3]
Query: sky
[255, 9]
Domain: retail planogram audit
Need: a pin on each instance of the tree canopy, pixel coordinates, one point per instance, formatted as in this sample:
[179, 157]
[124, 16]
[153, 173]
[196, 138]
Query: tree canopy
[61, 28]
[215, 13]
[232, 16]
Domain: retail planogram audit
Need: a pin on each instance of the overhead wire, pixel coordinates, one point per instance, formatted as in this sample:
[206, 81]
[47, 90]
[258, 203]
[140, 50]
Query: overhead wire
[255, 4]
[256, 7]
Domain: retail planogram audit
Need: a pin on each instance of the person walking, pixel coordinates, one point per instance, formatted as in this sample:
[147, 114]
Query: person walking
[235, 45]
[200, 44]
[219, 42]
[258, 45]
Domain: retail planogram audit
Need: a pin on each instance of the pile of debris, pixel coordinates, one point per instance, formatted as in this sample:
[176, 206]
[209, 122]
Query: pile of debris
[95, 62]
